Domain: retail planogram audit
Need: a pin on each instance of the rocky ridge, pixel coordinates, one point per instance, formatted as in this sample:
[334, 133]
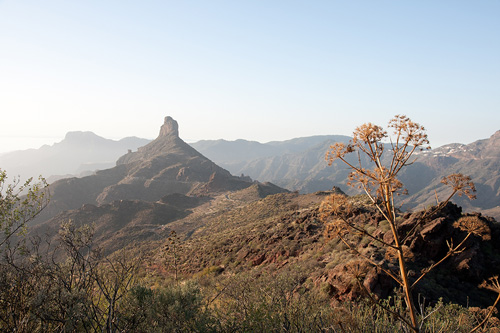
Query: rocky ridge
[162, 182]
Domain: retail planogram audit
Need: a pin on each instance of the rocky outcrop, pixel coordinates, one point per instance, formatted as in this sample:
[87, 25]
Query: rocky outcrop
[169, 128]
[453, 280]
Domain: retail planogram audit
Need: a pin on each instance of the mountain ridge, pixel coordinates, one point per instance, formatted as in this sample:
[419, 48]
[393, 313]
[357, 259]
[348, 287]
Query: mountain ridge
[78, 152]
[307, 172]
[164, 166]
[298, 164]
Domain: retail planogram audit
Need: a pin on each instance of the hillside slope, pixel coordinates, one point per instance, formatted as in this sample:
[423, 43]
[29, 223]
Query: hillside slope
[123, 223]
[284, 232]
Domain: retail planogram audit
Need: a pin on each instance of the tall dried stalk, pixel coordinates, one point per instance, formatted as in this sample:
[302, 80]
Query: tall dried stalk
[380, 183]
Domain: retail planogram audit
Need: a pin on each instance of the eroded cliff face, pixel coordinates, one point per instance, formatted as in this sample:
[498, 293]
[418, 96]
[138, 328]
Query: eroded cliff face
[169, 128]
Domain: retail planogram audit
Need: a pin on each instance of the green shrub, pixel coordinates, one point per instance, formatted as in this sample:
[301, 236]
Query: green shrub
[173, 308]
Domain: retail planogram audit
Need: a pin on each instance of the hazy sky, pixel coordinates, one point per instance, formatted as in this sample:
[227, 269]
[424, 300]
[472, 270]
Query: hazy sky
[258, 70]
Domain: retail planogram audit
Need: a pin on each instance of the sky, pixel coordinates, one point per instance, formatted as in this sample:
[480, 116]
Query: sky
[258, 70]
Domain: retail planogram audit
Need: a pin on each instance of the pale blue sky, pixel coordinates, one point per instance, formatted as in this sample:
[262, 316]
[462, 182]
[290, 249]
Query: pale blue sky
[257, 70]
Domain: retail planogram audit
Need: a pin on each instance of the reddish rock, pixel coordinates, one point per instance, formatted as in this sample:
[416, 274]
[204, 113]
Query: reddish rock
[258, 260]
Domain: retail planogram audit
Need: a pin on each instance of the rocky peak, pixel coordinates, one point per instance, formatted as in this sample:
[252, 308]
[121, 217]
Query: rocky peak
[169, 128]
[81, 137]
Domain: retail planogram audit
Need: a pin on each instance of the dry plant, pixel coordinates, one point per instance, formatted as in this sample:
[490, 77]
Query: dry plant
[171, 249]
[381, 185]
[494, 285]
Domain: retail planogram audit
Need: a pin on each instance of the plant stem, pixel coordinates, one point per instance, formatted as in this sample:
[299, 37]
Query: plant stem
[487, 316]
[401, 259]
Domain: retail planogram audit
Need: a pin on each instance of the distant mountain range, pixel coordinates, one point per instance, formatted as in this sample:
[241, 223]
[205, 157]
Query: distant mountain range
[79, 153]
[301, 166]
[480, 160]
[235, 155]
[296, 164]
[82, 153]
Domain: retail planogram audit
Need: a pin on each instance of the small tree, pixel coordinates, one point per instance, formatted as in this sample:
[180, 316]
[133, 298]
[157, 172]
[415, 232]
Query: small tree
[19, 204]
[381, 185]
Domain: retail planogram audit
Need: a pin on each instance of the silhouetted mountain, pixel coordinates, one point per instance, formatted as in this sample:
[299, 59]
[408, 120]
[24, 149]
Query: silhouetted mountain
[165, 166]
[78, 152]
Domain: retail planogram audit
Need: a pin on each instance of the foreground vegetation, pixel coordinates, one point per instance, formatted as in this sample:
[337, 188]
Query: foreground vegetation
[71, 287]
[84, 293]
[281, 264]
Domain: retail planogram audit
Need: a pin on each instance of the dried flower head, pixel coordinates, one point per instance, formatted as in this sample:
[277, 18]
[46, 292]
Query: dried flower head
[335, 205]
[409, 131]
[361, 179]
[338, 150]
[335, 228]
[357, 269]
[369, 134]
[491, 284]
[330, 231]
[474, 225]
[460, 184]
[172, 241]
[379, 180]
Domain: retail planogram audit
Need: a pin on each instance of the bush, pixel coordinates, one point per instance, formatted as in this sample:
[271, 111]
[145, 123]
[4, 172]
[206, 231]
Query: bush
[172, 308]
